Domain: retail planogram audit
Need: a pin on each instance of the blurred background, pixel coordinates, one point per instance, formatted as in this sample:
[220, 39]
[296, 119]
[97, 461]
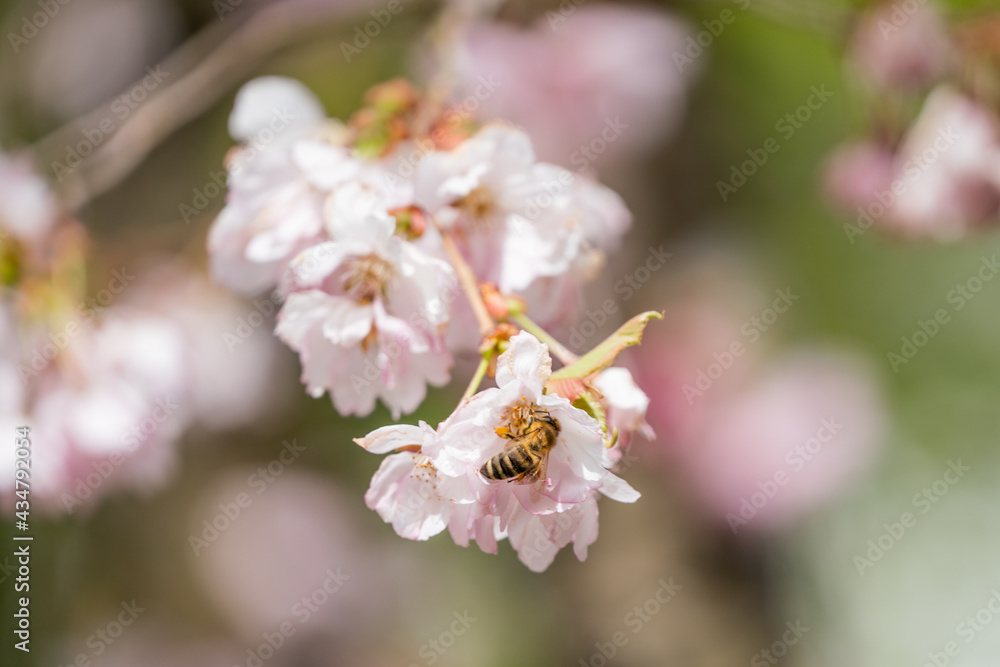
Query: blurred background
[823, 487]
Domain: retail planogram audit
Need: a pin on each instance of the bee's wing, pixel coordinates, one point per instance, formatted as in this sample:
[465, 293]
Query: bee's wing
[537, 478]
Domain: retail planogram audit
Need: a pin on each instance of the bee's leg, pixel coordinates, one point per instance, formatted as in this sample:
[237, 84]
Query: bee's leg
[503, 432]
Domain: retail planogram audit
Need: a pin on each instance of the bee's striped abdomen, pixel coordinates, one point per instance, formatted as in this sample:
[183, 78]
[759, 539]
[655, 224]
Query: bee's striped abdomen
[508, 464]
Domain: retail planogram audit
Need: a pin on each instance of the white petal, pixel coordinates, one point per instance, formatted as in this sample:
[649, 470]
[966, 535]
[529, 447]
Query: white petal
[616, 488]
[263, 100]
[301, 312]
[325, 166]
[354, 211]
[586, 531]
[526, 359]
[390, 438]
[347, 322]
[402, 492]
[313, 265]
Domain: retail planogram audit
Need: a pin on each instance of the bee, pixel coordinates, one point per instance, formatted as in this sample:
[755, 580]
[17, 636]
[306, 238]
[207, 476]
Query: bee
[532, 432]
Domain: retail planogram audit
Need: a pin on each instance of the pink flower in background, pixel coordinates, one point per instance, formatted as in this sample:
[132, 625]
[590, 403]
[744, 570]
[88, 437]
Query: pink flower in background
[111, 393]
[367, 311]
[901, 49]
[437, 482]
[735, 423]
[232, 359]
[322, 575]
[278, 181]
[70, 63]
[28, 210]
[109, 411]
[13, 394]
[604, 74]
[952, 156]
[941, 183]
[857, 172]
[788, 442]
[687, 361]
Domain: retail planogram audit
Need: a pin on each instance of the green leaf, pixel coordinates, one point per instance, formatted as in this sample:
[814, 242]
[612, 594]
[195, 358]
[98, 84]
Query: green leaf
[605, 354]
[589, 404]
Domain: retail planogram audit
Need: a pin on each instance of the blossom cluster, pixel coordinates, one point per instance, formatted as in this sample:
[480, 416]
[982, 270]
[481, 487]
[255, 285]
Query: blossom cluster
[349, 223]
[393, 246]
[108, 382]
[935, 175]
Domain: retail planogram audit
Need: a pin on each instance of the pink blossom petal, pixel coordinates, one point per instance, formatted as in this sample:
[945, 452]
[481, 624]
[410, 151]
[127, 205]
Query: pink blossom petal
[525, 359]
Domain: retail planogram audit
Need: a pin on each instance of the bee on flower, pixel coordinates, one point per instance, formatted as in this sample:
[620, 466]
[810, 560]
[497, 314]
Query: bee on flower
[436, 480]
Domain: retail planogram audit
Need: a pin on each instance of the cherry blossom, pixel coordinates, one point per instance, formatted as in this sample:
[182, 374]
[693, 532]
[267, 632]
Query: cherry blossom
[941, 182]
[366, 311]
[28, 210]
[525, 225]
[109, 412]
[960, 188]
[290, 159]
[609, 86]
[896, 50]
[626, 404]
[807, 426]
[435, 483]
[230, 373]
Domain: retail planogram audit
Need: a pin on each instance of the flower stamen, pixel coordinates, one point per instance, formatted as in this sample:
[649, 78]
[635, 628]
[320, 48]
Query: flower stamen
[367, 277]
[480, 205]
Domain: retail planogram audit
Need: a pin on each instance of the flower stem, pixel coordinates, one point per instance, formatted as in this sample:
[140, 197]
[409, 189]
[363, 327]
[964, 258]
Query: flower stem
[561, 353]
[478, 377]
[467, 279]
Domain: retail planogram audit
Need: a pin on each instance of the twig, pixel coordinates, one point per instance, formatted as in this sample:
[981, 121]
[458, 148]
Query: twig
[557, 348]
[467, 279]
[203, 70]
[484, 364]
